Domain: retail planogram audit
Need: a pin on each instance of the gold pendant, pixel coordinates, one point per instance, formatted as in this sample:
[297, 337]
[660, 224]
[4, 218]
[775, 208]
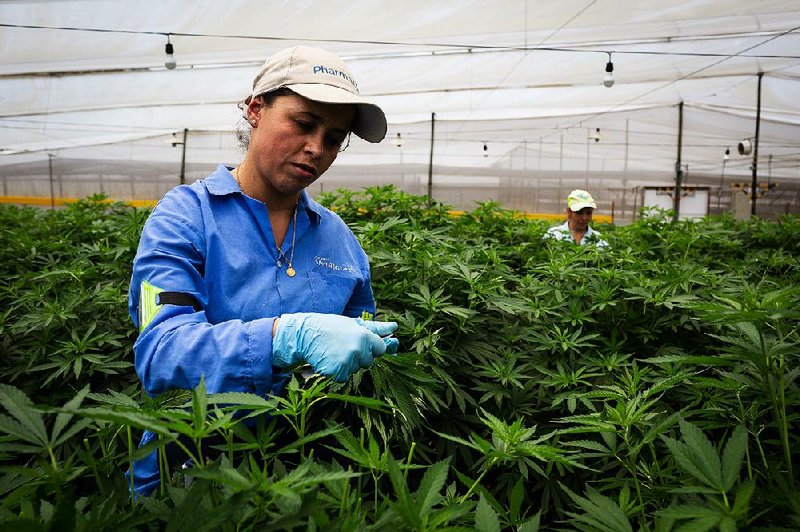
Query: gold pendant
[290, 271]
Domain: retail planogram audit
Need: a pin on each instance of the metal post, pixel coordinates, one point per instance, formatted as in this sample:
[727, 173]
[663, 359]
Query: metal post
[430, 163]
[769, 172]
[627, 132]
[540, 154]
[183, 157]
[588, 143]
[52, 191]
[676, 200]
[754, 184]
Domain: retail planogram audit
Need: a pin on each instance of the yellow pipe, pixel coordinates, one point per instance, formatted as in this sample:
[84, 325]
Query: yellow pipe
[41, 201]
[602, 218]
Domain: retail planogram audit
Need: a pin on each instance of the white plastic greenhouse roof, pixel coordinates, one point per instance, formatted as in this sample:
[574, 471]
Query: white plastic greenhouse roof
[513, 84]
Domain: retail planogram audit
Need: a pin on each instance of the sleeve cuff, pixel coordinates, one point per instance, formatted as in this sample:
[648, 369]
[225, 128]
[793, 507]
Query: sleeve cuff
[259, 354]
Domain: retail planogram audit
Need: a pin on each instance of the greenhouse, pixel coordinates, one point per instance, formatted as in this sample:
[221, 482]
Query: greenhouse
[507, 104]
[439, 358]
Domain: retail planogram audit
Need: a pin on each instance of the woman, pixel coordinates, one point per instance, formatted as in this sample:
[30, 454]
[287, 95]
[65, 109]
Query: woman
[241, 276]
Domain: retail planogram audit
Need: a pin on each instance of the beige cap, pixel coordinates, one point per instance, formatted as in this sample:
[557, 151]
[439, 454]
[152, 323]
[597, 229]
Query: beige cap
[321, 76]
[580, 199]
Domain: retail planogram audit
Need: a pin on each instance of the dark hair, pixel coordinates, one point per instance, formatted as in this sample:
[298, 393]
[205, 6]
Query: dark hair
[267, 99]
[243, 126]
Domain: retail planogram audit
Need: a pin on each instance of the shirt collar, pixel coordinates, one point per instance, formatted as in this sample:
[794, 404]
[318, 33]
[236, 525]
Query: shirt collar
[589, 230]
[222, 182]
[312, 207]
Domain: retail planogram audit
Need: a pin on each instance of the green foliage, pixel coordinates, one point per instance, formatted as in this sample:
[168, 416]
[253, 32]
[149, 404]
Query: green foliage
[652, 384]
[717, 475]
[600, 513]
[63, 297]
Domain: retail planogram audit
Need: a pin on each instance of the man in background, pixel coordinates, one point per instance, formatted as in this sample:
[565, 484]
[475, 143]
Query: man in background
[580, 206]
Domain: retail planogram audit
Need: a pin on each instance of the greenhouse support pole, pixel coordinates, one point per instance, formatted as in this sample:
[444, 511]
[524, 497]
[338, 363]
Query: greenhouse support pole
[430, 163]
[52, 192]
[539, 165]
[183, 157]
[627, 135]
[754, 184]
[676, 200]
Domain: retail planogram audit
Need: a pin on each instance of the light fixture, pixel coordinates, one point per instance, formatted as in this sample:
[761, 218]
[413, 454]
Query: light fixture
[399, 141]
[608, 80]
[745, 147]
[485, 150]
[174, 140]
[596, 135]
[727, 155]
[169, 61]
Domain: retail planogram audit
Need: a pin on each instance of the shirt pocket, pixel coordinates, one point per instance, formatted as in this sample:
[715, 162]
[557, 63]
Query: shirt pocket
[332, 290]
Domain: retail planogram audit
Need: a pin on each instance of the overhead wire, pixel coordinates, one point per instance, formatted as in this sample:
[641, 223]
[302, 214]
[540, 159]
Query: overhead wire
[685, 76]
[521, 59]
[470, 48]
[599, 47]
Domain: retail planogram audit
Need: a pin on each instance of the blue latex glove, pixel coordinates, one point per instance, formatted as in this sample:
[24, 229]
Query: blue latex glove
[335, 346]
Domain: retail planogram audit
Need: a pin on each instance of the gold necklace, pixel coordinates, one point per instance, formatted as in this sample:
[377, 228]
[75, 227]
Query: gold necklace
[290, 271]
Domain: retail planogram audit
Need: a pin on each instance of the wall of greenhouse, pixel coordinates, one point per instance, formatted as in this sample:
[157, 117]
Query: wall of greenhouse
[525, 164]
[537, 192]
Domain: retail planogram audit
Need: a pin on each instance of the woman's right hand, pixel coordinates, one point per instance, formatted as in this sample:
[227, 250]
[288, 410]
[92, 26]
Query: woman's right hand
[335, 346]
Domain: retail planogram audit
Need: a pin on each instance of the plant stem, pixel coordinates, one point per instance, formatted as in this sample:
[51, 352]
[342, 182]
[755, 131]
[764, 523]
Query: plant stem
[747, 447]
[477, 481]
[93, 465]
[787, 450]
[229, 437]
[53, 461]
[408, 459]
[130, 463]
[630, 465]
[375, 492]
[778, 410]
[163, 470]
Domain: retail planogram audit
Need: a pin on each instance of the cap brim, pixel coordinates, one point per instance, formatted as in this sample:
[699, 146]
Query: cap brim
[582, 205]
[370, 122]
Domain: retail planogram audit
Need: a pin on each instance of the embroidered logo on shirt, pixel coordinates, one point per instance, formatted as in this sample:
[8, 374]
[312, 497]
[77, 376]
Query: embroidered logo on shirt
[328, 263]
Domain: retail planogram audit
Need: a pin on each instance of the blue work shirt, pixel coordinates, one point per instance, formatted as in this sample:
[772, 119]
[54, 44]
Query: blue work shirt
[214, 245]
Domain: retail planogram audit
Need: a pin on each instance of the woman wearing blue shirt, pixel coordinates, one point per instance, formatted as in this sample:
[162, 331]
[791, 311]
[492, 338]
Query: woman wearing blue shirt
[242, 275]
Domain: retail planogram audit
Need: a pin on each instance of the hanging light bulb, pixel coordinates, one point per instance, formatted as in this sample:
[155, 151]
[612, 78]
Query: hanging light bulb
[485, 150]
[608, 80]
[727, 154]
[169, 61]
[399, 141]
